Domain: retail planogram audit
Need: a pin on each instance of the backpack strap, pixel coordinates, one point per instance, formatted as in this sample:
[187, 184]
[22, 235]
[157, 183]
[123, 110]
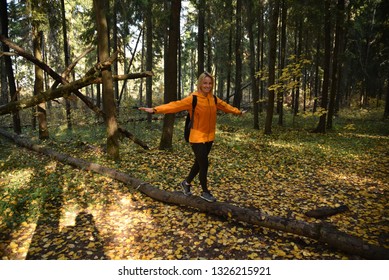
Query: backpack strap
[194, 103]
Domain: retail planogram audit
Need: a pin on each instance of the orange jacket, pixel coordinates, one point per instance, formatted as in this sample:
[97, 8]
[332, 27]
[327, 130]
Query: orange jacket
[204, 125]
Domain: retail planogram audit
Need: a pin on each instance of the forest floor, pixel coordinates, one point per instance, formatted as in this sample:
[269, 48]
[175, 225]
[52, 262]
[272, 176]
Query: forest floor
[49, 210]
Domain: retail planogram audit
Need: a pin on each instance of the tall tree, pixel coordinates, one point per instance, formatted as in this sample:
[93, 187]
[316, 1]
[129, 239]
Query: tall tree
[298, 47]
[230, 13]
[8, 66]
[66, 50]
[115, 49]
[37, 35]
[274, 6]
[253, 78]
[109, 105]
[171, 73]
[238, 55]
[321, 127]
[382, 31]
[335, 61]
[201, 38]
[280, 93]
[261, 52]
[149, 54]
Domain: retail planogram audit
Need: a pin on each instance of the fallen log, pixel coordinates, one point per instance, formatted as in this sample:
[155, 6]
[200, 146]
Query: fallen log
[47, 95]
[325, 212]
[20, 51]
[321, 232]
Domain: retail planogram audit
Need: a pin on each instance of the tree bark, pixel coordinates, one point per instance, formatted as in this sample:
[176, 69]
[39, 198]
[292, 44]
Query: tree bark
[200, 38]
[8, 66]
[280, 93]
[115, 49]
[321, 232]
[253, 77]
[230, 14]
[171, 74]
[321, 127]
[275, 4]
[108, 92]
[38, 84]
[335, 62]
[149, 55]
[238, 56]
[386, 111]
[66, 50]
[299, 37]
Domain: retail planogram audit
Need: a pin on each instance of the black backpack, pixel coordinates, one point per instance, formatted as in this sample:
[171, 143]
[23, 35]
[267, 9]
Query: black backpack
[188, 121]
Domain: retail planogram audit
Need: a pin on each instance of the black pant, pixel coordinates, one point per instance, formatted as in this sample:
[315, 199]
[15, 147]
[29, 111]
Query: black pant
[200, 166]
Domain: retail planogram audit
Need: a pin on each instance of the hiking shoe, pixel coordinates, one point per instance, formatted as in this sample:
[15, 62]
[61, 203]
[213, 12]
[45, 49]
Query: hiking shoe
[186, 188]
[208, 197]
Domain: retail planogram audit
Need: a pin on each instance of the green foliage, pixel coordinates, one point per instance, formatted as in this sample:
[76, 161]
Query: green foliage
[291, 76]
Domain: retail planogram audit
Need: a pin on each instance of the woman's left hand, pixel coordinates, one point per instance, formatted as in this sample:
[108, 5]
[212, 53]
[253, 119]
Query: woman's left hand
[147, 110]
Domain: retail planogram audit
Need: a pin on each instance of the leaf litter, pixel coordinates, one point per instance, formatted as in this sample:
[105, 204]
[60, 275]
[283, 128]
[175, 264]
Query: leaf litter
[52, 211]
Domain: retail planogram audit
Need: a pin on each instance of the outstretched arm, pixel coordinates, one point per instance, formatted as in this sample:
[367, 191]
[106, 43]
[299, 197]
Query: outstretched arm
[227, 108]
[172, 107]
[147, 110]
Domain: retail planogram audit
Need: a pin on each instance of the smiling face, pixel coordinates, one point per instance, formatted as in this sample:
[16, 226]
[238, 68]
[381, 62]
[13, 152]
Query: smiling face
[205, 84]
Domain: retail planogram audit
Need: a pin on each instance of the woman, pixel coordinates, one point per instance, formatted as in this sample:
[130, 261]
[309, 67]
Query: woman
[202, 134]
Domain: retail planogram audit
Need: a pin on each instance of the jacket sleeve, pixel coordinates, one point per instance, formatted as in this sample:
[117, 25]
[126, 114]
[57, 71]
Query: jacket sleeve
[227, 108]
[175, 106]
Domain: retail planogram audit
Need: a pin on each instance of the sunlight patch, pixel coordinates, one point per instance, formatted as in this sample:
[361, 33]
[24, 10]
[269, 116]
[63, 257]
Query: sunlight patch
[17, 178]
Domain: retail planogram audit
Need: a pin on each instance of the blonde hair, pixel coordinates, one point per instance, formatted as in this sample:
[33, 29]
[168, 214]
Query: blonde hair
[202, 77]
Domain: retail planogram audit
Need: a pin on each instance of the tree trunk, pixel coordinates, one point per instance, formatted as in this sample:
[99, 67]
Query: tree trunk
[321, 232]
[230, 12]
[261, 54]
[275, 4]
[37, 39]
[200, 38]
[67, 60]
[280, 93]
[171, 74]
[4, 97]
[299, 34]
[335, 62]
[115, 49]
[238, 55]
[149, 55]
[108, 94]
[386, 112]
[8, 66]
[254, 86]
[321, 127]
[317, 64]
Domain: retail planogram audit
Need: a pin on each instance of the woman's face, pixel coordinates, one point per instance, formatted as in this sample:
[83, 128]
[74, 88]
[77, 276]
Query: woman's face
[206, 85]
